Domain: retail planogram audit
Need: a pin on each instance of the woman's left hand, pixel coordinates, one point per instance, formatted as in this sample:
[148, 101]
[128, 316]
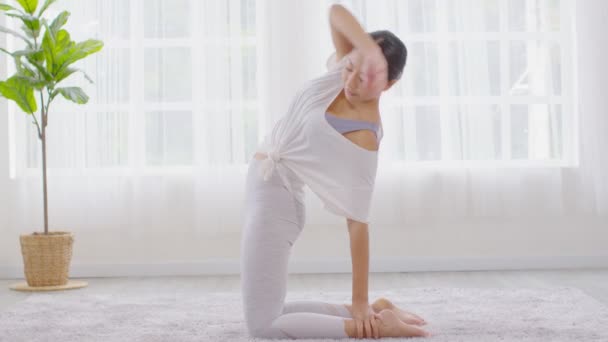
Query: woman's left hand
[365, 319]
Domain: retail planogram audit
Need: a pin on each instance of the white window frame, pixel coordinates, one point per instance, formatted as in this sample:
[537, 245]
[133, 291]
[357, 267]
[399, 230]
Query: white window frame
[137, 105]
[566, 38]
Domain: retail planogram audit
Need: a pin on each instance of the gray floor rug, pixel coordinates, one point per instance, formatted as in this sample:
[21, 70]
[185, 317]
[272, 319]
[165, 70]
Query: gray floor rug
[454, 314]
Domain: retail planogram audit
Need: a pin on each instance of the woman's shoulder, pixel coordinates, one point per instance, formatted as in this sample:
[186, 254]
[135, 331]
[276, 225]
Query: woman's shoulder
[325, 82]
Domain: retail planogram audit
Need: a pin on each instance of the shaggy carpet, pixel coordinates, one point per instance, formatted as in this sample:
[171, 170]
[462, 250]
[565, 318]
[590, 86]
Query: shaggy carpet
[453, 314]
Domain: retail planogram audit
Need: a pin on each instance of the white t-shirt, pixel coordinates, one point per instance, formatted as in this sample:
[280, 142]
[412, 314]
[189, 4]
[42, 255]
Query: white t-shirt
[341, 173]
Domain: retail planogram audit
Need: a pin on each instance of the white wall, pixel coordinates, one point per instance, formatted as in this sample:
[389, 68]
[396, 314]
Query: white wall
[546, 243]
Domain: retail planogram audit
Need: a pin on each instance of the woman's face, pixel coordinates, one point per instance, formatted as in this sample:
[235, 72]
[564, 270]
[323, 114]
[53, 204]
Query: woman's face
[354, 88]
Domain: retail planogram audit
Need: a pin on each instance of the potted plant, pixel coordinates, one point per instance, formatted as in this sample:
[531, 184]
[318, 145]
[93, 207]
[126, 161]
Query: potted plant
[46, 60]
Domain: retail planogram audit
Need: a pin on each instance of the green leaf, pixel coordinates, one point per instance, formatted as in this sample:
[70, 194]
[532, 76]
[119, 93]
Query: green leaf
[54, 47]
[44, 74]
[48, 45]
[5, 7]
[59, 21]
[31, 24]
[77, 52]
[65, 72]
[24, 69]
[16, 34]
[34, 57]
[21, 92]
[48, 32]
[31, 55]
[46, 5]
[18, 64]
[32, 81]
[29, 33]
[74, 94]
[28, 5]
[25, 52]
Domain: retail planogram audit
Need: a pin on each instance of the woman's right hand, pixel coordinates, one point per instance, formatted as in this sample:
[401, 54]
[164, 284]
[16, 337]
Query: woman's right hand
[374, 69]
[365, 320]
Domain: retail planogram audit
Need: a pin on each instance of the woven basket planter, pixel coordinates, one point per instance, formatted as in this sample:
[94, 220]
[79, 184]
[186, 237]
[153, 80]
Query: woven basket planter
[46, 257]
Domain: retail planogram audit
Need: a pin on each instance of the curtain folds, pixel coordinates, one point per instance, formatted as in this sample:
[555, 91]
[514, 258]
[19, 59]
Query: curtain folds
[180, 86]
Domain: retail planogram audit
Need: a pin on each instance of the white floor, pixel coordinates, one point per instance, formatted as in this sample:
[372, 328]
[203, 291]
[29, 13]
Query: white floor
[592, 281]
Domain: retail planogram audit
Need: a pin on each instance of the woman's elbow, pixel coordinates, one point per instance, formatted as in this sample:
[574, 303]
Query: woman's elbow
[334, 9]
[354, 224]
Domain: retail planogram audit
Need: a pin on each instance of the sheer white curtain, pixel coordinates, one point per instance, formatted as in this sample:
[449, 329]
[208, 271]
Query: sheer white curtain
[484, 124]
[173, 116]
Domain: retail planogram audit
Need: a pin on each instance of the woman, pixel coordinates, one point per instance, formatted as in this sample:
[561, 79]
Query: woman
[328, 140]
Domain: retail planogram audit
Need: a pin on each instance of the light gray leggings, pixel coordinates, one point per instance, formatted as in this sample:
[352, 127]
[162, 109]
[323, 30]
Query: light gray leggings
[274, 219]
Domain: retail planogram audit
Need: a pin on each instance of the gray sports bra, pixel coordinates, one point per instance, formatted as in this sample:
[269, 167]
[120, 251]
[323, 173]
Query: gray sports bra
[344, 125]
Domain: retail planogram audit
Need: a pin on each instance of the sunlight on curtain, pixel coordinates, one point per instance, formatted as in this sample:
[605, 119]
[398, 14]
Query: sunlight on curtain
[483, 81]
[176, 80]
[172, 118]
[484, 123]
[482, 126]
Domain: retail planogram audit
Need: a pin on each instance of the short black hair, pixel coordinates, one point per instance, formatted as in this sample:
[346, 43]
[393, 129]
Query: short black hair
[394, 51]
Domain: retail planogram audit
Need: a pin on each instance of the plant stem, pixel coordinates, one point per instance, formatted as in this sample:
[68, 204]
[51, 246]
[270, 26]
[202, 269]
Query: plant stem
[44, 189]
[37, 126]
[49, 99]
[42, 137]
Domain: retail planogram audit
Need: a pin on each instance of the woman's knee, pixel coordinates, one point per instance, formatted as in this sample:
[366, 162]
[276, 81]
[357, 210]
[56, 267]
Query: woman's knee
[260, 323]
[266, 331]
[259, 333]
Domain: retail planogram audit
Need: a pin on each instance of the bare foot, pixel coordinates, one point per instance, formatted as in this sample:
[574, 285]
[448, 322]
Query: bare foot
[391, 326]
[405, 316]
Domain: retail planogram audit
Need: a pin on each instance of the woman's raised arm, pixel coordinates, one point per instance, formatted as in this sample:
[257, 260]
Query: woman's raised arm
[347, 33]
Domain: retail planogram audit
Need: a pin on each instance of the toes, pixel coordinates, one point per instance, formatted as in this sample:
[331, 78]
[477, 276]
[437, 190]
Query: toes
[417, 331]
[415, 316]
[414, 321]
[421, 322]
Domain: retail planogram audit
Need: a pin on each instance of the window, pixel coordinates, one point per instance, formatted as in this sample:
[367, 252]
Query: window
[487, 82]
[173, 74]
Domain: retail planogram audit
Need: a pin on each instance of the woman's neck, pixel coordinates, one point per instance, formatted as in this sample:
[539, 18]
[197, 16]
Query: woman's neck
[368, 111]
